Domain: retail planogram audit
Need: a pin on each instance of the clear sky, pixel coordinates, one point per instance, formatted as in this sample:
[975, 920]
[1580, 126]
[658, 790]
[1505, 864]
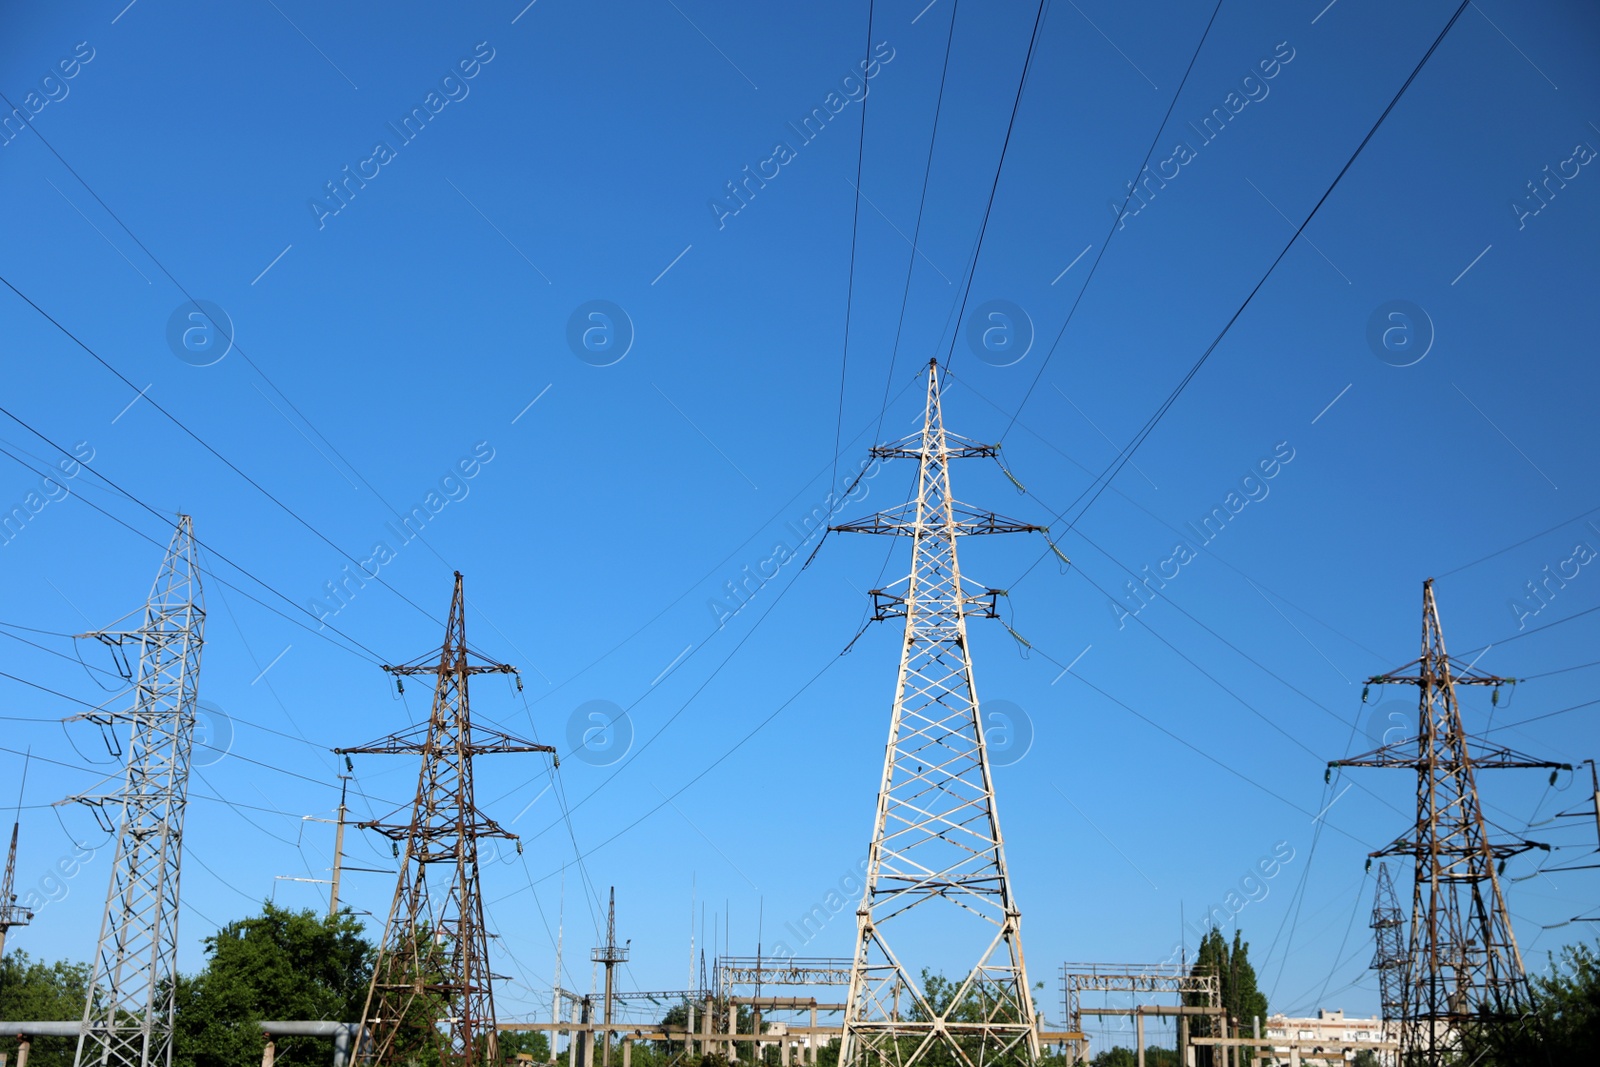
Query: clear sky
[434, 310]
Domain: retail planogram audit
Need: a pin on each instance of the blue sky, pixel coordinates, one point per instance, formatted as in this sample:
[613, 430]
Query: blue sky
[378, 346]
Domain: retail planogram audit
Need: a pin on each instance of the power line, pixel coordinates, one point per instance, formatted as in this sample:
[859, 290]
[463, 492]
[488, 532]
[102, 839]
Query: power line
[1126, 454]
[922, 203]
[983, 229]
[233, 342]
[1116, 223]
[1535, 630]
[205, 445]
[370, 654]
[855, 223]
[1261, 586]
[713, 765]
[1519, 544]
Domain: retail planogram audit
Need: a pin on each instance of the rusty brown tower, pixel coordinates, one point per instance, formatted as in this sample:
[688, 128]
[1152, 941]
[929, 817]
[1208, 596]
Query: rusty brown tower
[431, 983]
[1461, 967]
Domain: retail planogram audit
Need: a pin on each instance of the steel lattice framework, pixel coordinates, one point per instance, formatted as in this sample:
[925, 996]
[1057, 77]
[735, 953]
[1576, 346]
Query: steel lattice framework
[936, 838]
[1389, 946]
[128, 1016]
[1135, 978]
[1462, 966]
[431, 983]
[11, 914]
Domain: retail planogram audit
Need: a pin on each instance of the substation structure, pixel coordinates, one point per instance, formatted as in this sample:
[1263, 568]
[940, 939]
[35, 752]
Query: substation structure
[1206, 1035]
[794, 1024]
[712, 1014]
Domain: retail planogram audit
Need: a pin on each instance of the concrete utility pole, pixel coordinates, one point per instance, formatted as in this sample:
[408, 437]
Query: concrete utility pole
[128, 1016]
[1462, 967]
[338, 848]
[936, 841]
[433, 960]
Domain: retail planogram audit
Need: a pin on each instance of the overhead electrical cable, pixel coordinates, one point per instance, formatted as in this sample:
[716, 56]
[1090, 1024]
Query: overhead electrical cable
[207, 446]
[233, 341]
[855, 226]
[988, 207]
[1211, 553]
[323, 625]
[916, 232]
[1117, 222]
[1126, 453]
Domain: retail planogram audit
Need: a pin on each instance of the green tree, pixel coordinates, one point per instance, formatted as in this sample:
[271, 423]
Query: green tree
[528, 1042]
[1117, 1056]
[280, 964]
[1242, 1000]
[1565, 1025]
[37, 991]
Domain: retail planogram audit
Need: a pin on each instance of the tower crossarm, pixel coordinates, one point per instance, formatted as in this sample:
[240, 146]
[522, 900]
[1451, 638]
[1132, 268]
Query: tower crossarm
[904, 521]
[947, 446]
[415, 742]
[1493, 759]
[434, 668]
[1467, 676]
[476, 824]
[1496, 849]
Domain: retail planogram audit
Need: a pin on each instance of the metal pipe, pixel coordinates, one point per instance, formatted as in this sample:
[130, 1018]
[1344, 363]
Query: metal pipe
[342, 1033]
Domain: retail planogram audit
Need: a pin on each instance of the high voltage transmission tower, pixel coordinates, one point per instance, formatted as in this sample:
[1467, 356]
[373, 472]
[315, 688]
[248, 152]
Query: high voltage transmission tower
[128, 1015]
[10, 913]
[1462, 966]
[936, 840]
[431, 983]
[1389, 946]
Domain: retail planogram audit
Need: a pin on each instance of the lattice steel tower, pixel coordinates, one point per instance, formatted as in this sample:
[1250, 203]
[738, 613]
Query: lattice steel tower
[127, 1018]
[431, 983]
[1389, 946]
[11, 914]
[937, 850]
[1462, 966]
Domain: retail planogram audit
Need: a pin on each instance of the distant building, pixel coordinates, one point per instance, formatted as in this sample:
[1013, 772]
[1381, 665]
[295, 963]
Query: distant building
[1328, 1026]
